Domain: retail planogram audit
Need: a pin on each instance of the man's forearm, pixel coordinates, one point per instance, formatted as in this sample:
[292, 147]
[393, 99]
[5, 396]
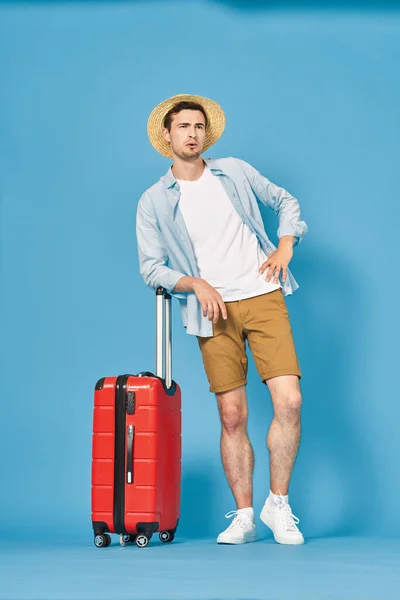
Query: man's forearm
[185, 284]
[287, 240]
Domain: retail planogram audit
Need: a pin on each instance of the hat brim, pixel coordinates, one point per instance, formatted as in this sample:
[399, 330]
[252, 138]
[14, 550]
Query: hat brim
[215, 115]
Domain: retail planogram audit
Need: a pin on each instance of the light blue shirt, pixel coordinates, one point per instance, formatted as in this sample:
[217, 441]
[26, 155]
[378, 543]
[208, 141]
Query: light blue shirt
[165, 250]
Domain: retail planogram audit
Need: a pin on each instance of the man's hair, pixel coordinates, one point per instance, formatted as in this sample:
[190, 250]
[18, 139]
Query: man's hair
[184, 105]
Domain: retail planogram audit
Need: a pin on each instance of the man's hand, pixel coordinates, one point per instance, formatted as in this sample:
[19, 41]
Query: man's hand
[279, 260]
[210, 300]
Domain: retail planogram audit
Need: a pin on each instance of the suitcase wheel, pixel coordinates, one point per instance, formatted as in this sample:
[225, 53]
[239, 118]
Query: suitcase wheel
[125, 539]
[102, 540]
[141, 540]
[166, 536]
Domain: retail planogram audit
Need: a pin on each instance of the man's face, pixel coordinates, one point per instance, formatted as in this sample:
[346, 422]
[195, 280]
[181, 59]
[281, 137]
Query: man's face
[187, 135]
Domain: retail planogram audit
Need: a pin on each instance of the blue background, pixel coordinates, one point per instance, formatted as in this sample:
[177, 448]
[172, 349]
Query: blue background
[312, 100]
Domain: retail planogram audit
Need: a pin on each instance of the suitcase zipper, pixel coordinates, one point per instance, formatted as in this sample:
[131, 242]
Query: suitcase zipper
[119, 454]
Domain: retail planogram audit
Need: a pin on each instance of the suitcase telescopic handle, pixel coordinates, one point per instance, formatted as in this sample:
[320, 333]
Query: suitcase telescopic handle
[164, 336]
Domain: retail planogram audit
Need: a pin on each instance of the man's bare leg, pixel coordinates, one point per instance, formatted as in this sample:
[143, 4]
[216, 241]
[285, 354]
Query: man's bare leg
[283, 442]
[285, 430]
[236, 451]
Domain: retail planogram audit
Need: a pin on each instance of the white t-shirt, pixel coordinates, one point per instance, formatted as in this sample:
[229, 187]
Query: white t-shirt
[228, 254]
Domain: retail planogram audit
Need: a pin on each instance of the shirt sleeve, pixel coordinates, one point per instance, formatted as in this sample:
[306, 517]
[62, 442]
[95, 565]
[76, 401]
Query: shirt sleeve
[153, 257]
[280, 200]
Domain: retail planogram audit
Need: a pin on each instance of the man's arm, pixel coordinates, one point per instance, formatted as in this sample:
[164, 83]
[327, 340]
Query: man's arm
[287, 241]
[153, 266]
[284, 204]
[185, 284]
[152, 254]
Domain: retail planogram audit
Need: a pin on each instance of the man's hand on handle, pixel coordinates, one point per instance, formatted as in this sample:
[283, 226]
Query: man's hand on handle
[210, 300]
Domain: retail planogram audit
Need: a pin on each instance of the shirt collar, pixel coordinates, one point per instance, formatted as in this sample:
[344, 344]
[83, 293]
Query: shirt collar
[170, 181]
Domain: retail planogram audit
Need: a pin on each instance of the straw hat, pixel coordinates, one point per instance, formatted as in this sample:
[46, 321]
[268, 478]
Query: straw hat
[155, 124]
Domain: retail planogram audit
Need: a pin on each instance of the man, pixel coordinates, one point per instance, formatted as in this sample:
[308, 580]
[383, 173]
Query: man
[201, 236]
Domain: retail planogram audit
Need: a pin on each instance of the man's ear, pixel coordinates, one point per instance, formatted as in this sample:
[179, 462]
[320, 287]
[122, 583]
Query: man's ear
[166, 134]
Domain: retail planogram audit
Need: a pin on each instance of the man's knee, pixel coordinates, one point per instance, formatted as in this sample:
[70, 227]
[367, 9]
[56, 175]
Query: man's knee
[286, 394]
[233, 410]
[287, 405]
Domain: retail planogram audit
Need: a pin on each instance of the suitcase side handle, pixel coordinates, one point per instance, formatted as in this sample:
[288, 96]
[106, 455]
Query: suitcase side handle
[163, 336]
[129, 462]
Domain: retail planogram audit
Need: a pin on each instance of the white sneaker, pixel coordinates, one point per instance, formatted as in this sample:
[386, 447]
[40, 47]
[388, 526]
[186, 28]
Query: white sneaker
[240, 531]
[282, 522]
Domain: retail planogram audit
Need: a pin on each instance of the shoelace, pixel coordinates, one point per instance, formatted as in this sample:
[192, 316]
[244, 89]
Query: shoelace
[290, 521]
[239, 519]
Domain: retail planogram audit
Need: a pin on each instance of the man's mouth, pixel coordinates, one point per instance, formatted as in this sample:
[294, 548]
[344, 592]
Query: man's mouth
[191, 144]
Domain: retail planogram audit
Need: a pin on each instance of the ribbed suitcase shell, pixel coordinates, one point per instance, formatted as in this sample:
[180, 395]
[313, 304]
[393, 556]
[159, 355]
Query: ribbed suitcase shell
[151, 502]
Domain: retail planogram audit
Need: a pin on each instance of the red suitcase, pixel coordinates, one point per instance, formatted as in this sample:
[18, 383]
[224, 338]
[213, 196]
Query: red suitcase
[136, 449]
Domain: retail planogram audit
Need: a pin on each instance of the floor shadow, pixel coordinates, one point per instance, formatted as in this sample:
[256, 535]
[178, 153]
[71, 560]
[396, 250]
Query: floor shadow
[259, 5]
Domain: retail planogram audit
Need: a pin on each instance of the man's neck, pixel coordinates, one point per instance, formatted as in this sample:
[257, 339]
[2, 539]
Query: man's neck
[188, 171]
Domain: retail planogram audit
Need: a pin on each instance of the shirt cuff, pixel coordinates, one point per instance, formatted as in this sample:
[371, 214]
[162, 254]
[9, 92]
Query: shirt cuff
[297, 232]
[172, 280]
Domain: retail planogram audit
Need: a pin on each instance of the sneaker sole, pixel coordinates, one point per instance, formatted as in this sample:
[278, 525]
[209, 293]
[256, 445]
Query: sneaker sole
[264, 519]
[235, 542]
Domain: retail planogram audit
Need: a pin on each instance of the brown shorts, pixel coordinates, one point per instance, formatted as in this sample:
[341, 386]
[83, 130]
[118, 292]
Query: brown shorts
[264, 322]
